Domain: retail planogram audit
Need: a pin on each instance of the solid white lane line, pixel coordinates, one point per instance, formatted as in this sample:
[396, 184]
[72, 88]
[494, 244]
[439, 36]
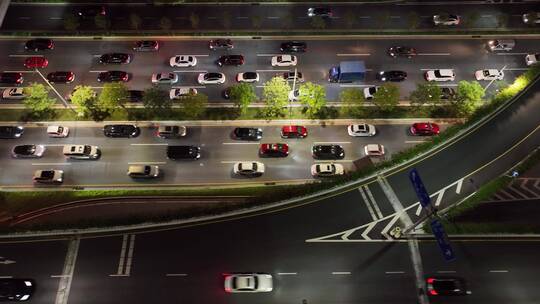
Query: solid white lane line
[486, 16]
[340, 272]
[159, 144]
[263, 71]
[122, 255]
[267, 55]
[373, 202]
[60, 276]
[194, 87]
[241, 143]
[516, 69]
[333, 160]
[20, 55]
[273, 17]
[414, 141]
[130, 255]
[55, 18]
[24, 71]
[446, 271]
[357, 54]
[428, 69]
[235, 161]
[394, 272]
[97, 71]
[287, 273]
[433, 54]
[331, 142]
[51, 164]
[446, 85]
[355, 85]
[6, 277]
[498, 271]
[176, 275]
[510, 54]
[189, 71]
[147, 163]
[366, 201]
[64, 285]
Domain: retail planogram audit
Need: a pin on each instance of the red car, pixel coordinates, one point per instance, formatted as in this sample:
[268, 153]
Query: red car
[425, 128]
[293, 132]
[274, 150]
[36, 62]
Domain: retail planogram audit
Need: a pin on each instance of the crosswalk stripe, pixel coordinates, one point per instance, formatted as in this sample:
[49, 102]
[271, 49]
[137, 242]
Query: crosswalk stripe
[375, 205]
[364, 197]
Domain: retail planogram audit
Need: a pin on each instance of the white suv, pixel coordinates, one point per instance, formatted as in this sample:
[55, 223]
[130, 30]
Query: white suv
[489, 74]
[440, 75]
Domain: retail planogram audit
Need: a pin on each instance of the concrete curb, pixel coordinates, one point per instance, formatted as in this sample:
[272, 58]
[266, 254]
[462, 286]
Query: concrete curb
[219, 123]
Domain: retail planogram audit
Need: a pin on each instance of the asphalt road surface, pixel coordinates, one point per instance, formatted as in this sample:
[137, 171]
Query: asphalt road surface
[320, 252]
[219, 152]
[465, 56]
[276, 17]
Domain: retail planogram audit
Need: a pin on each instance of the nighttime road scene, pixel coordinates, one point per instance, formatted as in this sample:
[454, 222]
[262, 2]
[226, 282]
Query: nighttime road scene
[270, 152]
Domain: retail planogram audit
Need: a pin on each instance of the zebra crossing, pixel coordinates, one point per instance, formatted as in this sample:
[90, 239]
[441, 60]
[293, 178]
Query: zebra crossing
[520, 189]
[378, 229]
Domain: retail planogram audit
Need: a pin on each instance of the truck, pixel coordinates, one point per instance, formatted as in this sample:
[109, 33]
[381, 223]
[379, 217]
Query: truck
[347, 71]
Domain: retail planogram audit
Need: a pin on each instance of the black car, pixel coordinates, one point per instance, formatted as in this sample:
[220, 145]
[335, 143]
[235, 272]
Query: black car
[323, 12]
[12, 289]
[146, 46]
[39, 44]
[293, 47]
[90, 11]
[236, 60]
[402, 51]
[247, 133]
[61, 77]
[10, 132]
[121, 131]
[28, 151]
[216, 44]
[328, 152]
[394, 76]
[11, 78]
[135, 95]
[112, 76]
[115, 58]
[183, 152]
[446, 286]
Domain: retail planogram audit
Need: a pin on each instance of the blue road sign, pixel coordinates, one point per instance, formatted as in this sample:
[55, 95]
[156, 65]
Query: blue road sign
[442, 240]
[419, 188]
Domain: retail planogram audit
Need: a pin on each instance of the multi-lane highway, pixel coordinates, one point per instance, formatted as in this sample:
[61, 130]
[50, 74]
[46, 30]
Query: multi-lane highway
[389, 15]
[219, 152]
[81, 56]
[325, 251]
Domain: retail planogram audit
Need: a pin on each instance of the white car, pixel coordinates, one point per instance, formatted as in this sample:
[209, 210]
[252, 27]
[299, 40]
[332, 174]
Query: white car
[446, 19]
[183, 61]
[489, 74]
[361, 130]
[247, 77]
[180, 93]
[294, 95]
[81, 152]
[370, 91]
[374, 150]
[248, 168]
[250, 282]
[164, 78]
[211, 78]
[440, 75]
[57, 131]
[327, 170]
[13, 93]
[284, 60]
[532, 58]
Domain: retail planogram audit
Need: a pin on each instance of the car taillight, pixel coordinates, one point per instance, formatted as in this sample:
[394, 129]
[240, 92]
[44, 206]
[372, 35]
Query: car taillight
[70, 78]
[19, 80]
[125, 78]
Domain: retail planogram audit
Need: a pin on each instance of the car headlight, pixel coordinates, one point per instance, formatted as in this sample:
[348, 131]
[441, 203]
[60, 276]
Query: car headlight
[27, 283]
[24, 298]
[381, 73]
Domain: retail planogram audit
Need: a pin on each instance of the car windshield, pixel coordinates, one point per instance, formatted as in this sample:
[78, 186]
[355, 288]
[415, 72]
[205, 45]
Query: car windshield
[438, 73]
[250, 75]
[48, 174]
[210, 76]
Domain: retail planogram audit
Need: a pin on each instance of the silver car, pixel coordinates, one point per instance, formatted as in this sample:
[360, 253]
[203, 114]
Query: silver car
[248, 282]
[164, 78]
